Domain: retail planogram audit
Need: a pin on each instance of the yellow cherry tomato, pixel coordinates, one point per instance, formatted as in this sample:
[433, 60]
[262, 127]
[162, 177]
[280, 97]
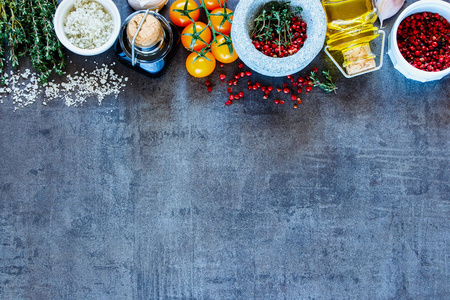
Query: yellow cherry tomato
[201, 67]
[222, 53]
[213, 4]
[178, 18]
[217, 20]
[186, 39]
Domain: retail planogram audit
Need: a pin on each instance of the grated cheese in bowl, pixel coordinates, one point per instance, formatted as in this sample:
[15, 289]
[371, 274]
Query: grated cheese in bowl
[88, 25]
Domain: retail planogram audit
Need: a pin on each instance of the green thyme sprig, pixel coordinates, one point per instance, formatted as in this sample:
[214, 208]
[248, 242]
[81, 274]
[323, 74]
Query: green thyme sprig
[275, 20]
[26, 26]
[327, 86]
[44, 47]
[15, 33]
[3, 22]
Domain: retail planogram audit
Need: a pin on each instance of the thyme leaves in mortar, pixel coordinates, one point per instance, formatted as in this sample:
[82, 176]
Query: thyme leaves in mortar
[278, 29]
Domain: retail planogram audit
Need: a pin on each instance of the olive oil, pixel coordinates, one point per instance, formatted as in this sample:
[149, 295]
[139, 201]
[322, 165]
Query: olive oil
[349, 30]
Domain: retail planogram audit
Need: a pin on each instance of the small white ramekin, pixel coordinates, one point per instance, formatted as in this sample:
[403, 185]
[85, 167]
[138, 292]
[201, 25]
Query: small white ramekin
[61, 12]
[434, 6]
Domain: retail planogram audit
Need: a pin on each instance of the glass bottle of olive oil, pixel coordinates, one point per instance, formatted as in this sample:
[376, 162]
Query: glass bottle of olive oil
[349, 30]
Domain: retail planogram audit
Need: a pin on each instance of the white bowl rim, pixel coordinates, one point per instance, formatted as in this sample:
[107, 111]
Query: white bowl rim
[406, 13]
[60, 14]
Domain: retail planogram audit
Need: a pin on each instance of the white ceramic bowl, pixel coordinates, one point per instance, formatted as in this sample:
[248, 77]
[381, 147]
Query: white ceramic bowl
[61, 12]
[243, 17]
[434, 6]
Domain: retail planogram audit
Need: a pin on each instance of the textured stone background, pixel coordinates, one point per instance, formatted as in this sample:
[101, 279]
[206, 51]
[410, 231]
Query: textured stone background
[165, 193]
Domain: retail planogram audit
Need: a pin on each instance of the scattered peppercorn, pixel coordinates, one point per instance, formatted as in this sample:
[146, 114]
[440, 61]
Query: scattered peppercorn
[310, 82]
[282, 37]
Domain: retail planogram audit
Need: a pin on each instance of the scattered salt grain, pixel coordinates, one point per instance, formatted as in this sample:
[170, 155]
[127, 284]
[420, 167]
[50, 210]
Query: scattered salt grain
[74, 90]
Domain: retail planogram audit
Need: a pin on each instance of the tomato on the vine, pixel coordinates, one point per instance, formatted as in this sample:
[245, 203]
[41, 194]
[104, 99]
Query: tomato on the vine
[202, 32]
[213, 4]
[202, 66]
[217, 18]
[178, 18]
[222, 52]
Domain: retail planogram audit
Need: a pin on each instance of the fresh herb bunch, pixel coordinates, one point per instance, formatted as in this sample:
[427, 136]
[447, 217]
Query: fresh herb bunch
[26, 27]
[327, 86]
[275, 18]
[2, 38]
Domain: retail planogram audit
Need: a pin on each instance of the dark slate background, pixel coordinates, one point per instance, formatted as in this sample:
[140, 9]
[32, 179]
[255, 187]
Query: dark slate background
[165, 193]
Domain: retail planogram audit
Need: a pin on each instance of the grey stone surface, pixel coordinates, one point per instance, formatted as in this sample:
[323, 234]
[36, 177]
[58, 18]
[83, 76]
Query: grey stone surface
[166, 193]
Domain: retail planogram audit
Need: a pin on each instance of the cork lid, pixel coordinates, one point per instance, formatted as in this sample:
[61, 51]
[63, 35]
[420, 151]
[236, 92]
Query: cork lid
[151, 31]
[359, 59]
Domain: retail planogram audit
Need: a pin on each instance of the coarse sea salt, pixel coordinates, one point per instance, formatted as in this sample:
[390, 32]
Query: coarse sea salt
[88, 25]
[24, 88]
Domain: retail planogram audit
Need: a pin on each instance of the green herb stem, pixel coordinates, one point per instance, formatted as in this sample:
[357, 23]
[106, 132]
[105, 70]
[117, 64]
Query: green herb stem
[327, 86]
[274, 21]
[38, 40]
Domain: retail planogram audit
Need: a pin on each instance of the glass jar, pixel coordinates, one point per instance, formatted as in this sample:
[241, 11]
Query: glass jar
[150, 60]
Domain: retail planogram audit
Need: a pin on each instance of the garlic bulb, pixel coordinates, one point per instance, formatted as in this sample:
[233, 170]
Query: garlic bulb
[146, 4]
[388, 8]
